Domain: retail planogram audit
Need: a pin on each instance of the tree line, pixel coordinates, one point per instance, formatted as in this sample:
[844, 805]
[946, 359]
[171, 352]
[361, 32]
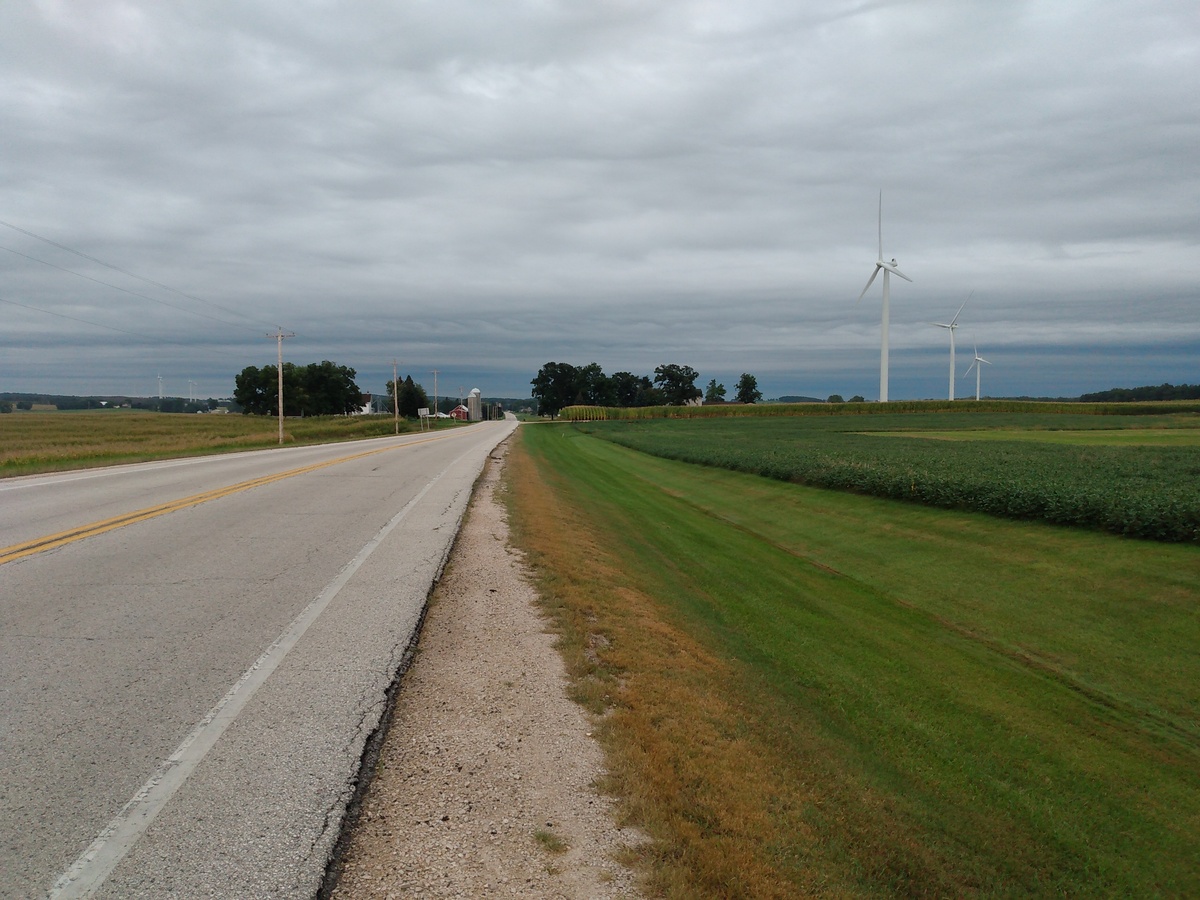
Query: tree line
[558, 385]
[1150, 392]
[322, 389]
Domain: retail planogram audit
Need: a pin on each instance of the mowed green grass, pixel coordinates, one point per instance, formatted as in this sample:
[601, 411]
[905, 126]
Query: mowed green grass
[35, 442]
[949, 704]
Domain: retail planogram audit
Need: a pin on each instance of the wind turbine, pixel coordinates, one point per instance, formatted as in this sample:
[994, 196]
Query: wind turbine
[888, 268]
[978, 368]
[951, 326]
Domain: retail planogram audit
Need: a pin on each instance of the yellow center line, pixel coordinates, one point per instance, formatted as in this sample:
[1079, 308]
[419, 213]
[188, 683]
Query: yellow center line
[51, 541]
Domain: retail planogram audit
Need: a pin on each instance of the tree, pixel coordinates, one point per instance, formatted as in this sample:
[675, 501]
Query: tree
[858, 398]
[625, 387]
[714, 393]
[329, 390]
[677, 383]
[412, 397]
[255, 390]
[747, 389]
[556, 386]
[634, 390]
[835, 398]
[318, 389]
[593, 387]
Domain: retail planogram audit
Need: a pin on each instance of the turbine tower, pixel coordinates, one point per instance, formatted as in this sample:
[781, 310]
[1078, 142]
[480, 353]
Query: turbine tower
[978, 368]
[888, 268]
[951, 326]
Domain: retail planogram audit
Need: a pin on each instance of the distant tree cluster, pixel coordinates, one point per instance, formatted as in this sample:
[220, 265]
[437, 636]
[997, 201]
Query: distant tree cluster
[1152, 392]
[318, 389]
[30, 402]
[411, 396]
[562, 384]
[78, 403]
[559, 385]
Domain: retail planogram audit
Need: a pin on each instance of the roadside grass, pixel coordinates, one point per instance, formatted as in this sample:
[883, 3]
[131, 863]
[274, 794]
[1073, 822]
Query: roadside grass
[36, 442]
[549, 841]
[808, 692]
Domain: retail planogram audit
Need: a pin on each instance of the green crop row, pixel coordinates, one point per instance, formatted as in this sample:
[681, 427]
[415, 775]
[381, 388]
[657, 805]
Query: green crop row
[1150, 492]
[775, 410]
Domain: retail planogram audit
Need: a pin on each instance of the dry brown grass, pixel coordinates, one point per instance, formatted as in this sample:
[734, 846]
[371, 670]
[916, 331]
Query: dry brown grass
[707, 787]
[35, 442]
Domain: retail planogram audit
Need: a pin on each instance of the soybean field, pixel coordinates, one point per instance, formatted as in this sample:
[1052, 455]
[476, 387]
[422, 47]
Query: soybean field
[1132, 475]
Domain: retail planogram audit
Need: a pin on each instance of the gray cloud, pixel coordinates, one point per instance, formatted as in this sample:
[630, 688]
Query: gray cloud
[481, 188]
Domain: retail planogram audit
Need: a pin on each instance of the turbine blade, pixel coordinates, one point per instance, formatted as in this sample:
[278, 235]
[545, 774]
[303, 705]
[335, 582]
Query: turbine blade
[940, 325]
[870, 281]
[896, 271]
[960, 309]
[982, 360]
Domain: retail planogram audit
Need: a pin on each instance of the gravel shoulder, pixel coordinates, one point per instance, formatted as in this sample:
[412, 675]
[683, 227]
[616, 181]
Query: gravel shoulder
[485, 780]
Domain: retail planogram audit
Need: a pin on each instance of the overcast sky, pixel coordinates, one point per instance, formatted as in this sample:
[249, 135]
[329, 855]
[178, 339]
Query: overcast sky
[483, 186]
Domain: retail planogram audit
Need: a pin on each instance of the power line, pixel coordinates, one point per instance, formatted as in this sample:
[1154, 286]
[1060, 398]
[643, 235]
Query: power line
[158, 284]
[136, 334]
[74, 318]
[117, 287]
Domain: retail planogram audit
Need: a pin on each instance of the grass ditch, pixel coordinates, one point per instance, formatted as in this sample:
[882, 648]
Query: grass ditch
[806, 692]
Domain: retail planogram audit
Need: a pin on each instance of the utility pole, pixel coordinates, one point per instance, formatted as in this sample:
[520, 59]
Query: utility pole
[279, 336]
[395, 397]
[435, 397]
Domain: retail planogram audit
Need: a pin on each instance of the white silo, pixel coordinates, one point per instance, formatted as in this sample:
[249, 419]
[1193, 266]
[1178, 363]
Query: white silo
[474, 406]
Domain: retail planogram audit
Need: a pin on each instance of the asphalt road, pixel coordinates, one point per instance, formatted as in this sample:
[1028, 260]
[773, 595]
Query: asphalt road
[193, 654]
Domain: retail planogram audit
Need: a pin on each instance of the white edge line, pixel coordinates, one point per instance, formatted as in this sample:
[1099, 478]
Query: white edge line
[96, 863]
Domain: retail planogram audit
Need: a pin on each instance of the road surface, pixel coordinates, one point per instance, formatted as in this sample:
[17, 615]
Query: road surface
[194, 652]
